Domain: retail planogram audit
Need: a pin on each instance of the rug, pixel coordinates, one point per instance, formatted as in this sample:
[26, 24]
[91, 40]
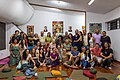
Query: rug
[7, 74]
[43, 75]
[78, 75]
[108, 76]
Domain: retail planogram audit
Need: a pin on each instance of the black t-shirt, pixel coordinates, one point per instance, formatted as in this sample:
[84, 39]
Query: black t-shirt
[107, 52]
[30, 41]
[105, 39]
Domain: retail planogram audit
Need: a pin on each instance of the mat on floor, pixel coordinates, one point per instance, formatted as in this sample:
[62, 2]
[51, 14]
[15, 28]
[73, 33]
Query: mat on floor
[43, 75]
[7, 74]
[78, 75]
[108, 76]
[21, 74]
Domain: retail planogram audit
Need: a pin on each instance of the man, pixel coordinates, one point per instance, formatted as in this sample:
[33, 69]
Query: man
[74, 57]
[96, 51]
[105, 38]
[42, 38]
[15, 36]
[75, 38]
[85, 38]
[30, 41]
[97, 37]
[107, 55]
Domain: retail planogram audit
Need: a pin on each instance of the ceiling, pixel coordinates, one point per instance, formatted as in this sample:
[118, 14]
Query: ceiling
[99, 6]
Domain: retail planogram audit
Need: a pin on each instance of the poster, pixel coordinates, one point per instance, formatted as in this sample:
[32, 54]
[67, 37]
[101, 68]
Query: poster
[93, 26]
[57, 26]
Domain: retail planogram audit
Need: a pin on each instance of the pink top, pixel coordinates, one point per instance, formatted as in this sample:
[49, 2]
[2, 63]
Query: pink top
[96, 52]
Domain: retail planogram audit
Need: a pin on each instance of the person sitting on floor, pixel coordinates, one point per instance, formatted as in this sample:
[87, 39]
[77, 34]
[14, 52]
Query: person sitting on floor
[74, 57]
[42, 57]
[107, 55]
[67, 45]
[96, 51]
[35, 57]
[87, 59]
[54, 58]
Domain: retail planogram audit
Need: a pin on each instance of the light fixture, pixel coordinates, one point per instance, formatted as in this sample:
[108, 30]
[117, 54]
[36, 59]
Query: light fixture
[59, 3]
[91, 2]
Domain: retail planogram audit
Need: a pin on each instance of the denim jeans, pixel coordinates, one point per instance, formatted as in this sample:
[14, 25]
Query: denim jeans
[28, 72]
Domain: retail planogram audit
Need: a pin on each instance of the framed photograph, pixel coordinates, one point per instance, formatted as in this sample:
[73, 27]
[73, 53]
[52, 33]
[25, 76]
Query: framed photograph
[93, 26]
[57, 26]
[70, 29]
[30, 28]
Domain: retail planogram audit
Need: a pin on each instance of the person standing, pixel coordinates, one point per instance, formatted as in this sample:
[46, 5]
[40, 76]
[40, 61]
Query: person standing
[90, 40]
[105, 38]
[14, 53]
[97, 37]
[85, 38]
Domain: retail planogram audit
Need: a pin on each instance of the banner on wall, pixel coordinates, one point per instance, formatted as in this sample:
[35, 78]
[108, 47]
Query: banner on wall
[57, 26]
[93, 26]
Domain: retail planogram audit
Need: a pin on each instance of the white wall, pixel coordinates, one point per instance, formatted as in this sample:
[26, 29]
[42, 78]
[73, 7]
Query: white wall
[94, 18]
[114, 34]
[45, 18]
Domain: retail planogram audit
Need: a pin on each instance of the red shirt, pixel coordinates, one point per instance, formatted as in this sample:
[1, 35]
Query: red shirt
[96, 52]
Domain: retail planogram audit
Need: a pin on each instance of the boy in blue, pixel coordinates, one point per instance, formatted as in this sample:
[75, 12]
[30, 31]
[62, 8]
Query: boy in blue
[75, 54]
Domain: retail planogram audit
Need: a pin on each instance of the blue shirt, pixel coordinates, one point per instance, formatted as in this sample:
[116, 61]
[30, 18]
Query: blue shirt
[75, 53]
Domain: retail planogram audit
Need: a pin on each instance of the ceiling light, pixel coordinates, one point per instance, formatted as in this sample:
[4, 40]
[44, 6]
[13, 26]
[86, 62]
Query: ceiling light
[62, 3]
[91, 1]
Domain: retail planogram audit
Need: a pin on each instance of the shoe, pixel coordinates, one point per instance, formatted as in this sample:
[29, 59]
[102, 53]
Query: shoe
[109, 68]
[83, 67]
[91, 67]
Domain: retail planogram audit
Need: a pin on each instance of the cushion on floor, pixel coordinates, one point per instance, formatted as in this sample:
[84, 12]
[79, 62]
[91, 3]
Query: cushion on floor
[55, 73]
[19, 78]
[88, 74]
[93, 71]
[6, 70]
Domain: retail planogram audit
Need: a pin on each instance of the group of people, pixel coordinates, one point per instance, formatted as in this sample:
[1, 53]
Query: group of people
[80, 50]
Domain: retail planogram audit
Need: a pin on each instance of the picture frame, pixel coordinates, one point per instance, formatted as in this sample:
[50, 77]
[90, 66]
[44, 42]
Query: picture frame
[30, 28]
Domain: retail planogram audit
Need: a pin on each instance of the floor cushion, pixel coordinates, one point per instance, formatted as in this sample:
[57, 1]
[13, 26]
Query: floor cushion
[19, 78]
[88, 74]
[6, 70]
[55, 73]
[93, 71]
[101, 78]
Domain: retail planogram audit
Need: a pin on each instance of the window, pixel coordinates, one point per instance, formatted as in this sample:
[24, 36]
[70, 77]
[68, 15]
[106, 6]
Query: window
[114, 24]
[2, 36]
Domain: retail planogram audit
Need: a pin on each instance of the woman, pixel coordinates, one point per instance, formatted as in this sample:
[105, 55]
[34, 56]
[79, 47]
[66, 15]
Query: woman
[52, 44]
[54, 58]
[107, 55]
[14, 53]
[87, 59]
[80, 41]
[23, 46]
[35, 57]
[48, 39]
[35, 39]
[70, 38]
[38, 47]
[42, 57]
[26, 58]
[25, 38]
[90, 40]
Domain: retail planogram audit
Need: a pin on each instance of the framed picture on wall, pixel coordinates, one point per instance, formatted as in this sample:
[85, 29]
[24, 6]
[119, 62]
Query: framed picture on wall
[30, 28]
[93, 26]
[57, 26]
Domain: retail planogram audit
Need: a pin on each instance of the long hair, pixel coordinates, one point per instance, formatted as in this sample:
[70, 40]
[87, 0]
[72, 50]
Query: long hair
[22, 45]
[89, 54]
[89, 38]
[24, 56]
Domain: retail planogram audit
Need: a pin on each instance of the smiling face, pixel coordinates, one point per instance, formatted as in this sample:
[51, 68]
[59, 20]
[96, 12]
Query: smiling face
[106, 45]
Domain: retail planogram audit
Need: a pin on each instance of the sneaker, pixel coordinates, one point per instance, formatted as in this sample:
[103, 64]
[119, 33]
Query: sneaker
[109, 68]
[83, 67]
